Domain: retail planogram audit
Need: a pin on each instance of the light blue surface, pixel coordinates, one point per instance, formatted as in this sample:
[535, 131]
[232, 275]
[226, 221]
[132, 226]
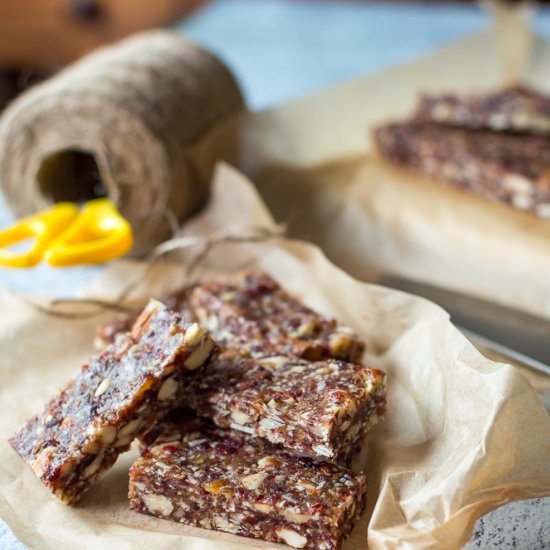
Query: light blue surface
[281, 50]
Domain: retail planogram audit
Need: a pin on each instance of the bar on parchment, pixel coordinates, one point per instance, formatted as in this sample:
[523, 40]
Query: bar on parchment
[225, 480]
[116, 396]
[516, 109]
[252, 313]
[320, 409]
[509, 168]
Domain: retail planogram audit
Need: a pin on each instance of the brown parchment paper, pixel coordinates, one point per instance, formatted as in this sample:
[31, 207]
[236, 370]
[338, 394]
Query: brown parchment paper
[462, 436]
[370, 217]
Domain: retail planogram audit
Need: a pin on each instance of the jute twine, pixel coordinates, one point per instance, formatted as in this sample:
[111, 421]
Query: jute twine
[199, 246]
[133, 108]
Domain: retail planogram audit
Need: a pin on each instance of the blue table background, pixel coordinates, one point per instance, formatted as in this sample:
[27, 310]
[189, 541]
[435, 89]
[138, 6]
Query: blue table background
[281, 50]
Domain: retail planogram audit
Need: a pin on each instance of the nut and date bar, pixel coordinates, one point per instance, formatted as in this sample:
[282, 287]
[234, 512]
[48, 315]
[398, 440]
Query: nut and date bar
[517, 109]
[319, 409]
[225, 480]
[509, 168]
[251, 313]
[115, 397]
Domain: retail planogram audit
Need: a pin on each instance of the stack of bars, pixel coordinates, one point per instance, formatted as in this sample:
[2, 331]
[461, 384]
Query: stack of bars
[248, 407]
[496, 145]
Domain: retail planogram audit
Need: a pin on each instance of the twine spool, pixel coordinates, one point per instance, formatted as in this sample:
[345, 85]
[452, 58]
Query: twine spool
[121, 117]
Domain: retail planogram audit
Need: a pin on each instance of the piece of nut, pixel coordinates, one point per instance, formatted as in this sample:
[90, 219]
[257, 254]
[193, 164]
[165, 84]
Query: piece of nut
[221, 486]
[498, 121]
[339, 343]
[519, 119]
[263, 508]
[523, 202]
[441, 112]
[274, 362]
[168, 390]
[42, 461]
[130, 429]
[304, 329]
[93, 467]
[292, 538]
[158, 504]
[212, 323]
[103, 387]
[322, 430]
[306, 485]
[253, 481]
[543, 210]
[106, 434]
[241, 428]
[269, 462]
[91, 448]
[269, 424]
[123, 441]
[206, 523]
[296, 517]
[205, 319]
[194, 334]
[199, 356]
[144, 319]
[239, 417]
[46, 419]
[517, 184]
[224, 525]
[296, 369]
[322, 450]
[66, 470]
[65, 498]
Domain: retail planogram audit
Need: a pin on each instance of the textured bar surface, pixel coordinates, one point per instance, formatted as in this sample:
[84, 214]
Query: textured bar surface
[227, 481]
[507, 168]
[119, 394]
[317, 409]
[515, 109]
[252, 313]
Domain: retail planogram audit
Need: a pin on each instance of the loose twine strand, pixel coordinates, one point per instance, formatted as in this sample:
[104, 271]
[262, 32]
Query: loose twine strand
[203, 246]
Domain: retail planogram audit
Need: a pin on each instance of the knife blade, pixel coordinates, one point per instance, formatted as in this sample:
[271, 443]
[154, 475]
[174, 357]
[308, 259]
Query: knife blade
[520, 336]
